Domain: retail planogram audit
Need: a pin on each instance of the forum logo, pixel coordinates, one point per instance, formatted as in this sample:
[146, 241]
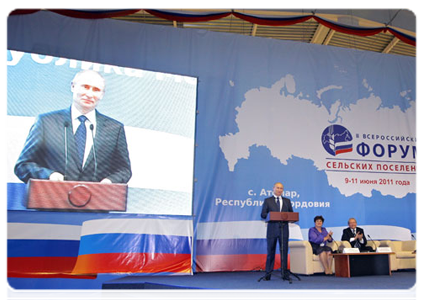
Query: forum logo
[336, 139]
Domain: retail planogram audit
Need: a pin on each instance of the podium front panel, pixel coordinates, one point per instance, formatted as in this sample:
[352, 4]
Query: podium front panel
[76, 195]
[275, 216]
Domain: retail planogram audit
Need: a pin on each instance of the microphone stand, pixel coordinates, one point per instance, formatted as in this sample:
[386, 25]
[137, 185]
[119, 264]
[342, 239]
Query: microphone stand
[417, 250]
[372, 241]
[282, 258]
[337, 246]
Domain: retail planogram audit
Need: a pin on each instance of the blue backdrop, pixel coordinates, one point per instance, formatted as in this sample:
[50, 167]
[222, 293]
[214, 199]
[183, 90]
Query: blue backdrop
[266, 113]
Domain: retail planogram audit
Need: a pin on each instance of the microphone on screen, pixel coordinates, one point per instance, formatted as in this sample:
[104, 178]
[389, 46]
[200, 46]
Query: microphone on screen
[66, 125]
[94, 151]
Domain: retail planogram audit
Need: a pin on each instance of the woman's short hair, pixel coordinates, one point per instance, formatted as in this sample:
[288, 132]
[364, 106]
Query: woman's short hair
[319, 218]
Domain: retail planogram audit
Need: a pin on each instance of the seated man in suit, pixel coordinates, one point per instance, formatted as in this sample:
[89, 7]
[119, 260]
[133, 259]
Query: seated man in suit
[355, 236]
[77, 143]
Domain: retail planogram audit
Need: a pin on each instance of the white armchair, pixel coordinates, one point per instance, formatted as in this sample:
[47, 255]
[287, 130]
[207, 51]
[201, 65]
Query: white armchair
[405, 254]
[303, 261]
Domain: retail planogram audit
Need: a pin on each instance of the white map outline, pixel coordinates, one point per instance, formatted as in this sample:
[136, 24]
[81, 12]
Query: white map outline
[279, 119]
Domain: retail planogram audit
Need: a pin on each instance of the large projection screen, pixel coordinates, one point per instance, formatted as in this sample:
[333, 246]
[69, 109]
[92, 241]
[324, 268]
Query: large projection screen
[157, 109]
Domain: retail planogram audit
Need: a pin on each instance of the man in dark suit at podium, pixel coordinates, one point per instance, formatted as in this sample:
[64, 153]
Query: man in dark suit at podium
[77, 143]
[277, 231]
[355, 236]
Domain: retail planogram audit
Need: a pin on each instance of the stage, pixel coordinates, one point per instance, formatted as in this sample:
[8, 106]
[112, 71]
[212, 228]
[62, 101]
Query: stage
[245, 285]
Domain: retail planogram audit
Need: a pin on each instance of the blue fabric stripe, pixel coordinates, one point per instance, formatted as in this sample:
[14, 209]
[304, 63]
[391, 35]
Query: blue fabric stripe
[196, 15]
[134, 243]
[274, 18]
[99, 11]
[412, 38]
[42, 248]
[16, 196]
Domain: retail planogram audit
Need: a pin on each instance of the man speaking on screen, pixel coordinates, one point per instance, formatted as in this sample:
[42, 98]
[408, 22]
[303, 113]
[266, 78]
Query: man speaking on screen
[77, 143]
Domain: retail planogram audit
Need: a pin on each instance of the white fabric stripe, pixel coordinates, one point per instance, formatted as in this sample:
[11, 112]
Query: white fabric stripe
[138, 226]
[37, 231]
[387, 232]
[257, 230]
[240, 230]
[376, 232]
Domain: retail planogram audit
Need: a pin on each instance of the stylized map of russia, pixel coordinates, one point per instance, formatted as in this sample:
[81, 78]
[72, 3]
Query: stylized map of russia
[283, 120]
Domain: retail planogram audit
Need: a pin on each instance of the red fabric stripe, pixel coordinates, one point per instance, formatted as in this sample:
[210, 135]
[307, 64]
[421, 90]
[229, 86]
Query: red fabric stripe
[41, 264]
[23, 12]
[186, 18]
[98, 263]
[402, 37]
[359, 31]
[271, 21]
[43, 267]
[52, 275]
[343, 151]
[236, 262]
[93, 15]
[133, 263]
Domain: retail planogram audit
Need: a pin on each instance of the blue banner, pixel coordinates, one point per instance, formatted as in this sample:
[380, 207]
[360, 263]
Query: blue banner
[335, 126]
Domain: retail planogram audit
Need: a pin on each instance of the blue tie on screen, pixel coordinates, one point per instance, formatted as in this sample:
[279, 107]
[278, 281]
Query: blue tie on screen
[80, 138]
[278, 203]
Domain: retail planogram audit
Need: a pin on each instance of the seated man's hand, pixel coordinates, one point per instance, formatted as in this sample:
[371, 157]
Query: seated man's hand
[56, 176]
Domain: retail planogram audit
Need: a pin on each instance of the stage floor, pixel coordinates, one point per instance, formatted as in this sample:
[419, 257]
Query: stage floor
[401, 285]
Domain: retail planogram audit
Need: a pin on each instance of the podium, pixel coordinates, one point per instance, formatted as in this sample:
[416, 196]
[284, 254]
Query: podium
[76, 196]
[283, 216]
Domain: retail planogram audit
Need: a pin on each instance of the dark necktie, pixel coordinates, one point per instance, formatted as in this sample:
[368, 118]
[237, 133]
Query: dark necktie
[80, 138]
[278, 203]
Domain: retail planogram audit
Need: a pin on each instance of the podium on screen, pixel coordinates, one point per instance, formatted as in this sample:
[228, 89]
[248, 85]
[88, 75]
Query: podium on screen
[76, 196]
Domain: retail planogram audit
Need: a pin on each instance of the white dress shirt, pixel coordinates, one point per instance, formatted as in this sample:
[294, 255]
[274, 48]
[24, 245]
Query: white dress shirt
[280, 201]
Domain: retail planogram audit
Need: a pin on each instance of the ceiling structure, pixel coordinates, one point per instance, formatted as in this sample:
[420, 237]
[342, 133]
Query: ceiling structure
[309, 31]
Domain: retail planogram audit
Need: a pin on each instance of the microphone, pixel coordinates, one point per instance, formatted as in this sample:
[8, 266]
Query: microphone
[66, 125]
[339, 250]
[416, 241]
[372, 241]
[94, 152]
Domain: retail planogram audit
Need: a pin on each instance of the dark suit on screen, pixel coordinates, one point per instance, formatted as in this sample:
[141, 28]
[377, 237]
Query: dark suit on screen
[47, 150]
[274, 233]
